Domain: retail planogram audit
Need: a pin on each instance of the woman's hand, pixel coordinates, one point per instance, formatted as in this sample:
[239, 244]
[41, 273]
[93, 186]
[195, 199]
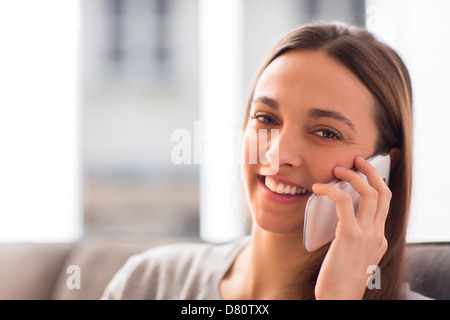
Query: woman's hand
[360, 241]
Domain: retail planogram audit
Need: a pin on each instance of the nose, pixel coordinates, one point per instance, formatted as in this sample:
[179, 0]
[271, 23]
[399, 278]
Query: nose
[285, 151]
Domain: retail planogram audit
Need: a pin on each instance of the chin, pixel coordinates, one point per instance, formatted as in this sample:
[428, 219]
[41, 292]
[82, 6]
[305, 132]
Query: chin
[278, 223]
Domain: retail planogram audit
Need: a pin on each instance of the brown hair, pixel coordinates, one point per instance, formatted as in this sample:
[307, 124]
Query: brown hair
[383, 72]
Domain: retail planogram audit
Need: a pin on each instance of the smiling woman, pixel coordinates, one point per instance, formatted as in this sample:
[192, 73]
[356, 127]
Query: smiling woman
[335, 96]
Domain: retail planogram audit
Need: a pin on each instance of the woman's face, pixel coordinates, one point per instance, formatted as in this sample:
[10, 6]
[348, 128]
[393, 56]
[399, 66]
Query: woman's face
[324, 117]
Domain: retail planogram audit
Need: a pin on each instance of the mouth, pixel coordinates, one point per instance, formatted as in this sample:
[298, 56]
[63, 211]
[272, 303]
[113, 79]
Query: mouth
[282, 191]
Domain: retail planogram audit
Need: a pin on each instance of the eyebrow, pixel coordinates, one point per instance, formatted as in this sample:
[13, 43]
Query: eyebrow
[320, 113]
[313, 113]
[267, 101]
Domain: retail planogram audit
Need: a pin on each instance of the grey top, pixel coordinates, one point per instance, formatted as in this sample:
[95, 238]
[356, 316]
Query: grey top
[177, 271]
[181, 272]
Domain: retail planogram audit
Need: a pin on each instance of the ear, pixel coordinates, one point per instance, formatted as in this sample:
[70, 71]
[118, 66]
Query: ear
[395, 155]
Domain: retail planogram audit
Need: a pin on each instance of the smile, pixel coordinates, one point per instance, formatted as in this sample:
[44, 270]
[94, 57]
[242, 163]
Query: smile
[281, 192]
[283, 188]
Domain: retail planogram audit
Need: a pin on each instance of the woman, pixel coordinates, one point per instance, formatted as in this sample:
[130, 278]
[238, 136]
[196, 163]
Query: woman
[337, 96]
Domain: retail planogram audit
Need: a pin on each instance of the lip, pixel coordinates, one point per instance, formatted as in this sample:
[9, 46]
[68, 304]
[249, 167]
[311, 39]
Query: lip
[280, 198]
[284, 181]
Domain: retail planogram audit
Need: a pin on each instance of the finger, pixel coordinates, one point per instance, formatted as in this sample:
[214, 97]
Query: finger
[382, 189]
[343, 201]
[368, 197]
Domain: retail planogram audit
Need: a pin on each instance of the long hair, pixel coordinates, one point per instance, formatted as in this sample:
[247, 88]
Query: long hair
[383, 72]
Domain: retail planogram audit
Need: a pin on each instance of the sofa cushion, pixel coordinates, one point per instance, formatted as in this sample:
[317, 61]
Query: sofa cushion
[428, 269]
[28, 270]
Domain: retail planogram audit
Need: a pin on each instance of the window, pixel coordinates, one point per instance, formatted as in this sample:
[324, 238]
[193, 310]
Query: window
[40, 121]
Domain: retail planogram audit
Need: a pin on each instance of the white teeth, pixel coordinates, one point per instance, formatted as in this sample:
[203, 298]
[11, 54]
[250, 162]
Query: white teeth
[280, 188]
[271, 185]
[268, 184]
[293, 190]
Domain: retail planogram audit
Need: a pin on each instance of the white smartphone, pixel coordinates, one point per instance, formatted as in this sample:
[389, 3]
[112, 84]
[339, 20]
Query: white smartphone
[320, 222]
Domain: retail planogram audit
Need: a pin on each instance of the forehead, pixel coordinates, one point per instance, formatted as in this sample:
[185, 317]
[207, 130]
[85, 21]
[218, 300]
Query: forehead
[314, 79]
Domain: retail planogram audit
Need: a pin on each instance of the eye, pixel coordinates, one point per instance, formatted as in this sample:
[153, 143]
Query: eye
[328, 134]
[264, 118]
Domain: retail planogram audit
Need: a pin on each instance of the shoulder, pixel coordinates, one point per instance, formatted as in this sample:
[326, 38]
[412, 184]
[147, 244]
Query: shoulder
[177, 271]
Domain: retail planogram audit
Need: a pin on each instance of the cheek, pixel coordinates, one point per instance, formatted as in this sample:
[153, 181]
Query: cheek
[321, 165]
[251, 155]
[245, 148]
[248, 155]
[248, 144]
[251, 159]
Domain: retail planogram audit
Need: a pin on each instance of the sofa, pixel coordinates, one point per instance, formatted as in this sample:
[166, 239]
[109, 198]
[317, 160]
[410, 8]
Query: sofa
[35, 271]
[42, 271]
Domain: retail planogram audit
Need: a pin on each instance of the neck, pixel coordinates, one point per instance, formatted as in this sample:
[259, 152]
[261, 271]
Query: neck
[266, 266]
